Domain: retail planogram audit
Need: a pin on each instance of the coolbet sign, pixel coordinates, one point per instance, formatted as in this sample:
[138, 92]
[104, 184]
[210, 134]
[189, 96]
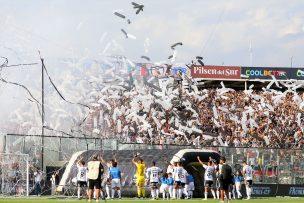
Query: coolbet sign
[219, 72]
[265, 73]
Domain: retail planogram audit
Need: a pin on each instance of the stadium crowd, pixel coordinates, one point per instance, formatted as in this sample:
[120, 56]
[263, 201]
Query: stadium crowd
[209, 117]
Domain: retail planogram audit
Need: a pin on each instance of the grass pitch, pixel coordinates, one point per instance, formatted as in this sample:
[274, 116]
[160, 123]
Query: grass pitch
[129, 200]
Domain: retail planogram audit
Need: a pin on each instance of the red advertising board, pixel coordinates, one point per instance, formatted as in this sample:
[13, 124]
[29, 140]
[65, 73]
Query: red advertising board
[219, 72]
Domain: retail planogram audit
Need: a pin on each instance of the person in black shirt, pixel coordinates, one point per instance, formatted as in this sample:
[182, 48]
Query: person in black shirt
[225, 178]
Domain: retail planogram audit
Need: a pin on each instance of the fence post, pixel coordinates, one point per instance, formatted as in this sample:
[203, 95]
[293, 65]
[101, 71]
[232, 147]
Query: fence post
[2, 184]
[27, 176]
[278, 165]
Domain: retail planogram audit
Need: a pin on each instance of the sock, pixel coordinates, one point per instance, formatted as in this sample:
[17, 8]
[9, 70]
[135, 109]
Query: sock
[229, 195]
[249, 192]
[206, 195]
[153, 193]
[218, 194]
[189, 194]
[180, 192]
[164, 195]
[113, 193]
[101, 194]
[239, 193]
[108, 191]
[157, 193]
[119, 194]
[213, 194]
[138, 193]
[143, 192]
[186, 193]
[171, 191]
[174, 193]
[78, 192]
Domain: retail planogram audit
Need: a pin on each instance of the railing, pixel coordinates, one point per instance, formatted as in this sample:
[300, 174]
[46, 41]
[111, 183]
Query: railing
[270, 165]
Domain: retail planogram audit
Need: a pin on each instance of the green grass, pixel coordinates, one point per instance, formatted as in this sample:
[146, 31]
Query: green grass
[128, 200]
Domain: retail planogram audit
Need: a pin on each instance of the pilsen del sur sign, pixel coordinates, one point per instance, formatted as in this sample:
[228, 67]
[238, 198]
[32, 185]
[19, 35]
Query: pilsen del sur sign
[219, 72]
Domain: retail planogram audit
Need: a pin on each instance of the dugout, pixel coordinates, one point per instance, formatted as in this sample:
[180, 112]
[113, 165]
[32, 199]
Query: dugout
[189, 161]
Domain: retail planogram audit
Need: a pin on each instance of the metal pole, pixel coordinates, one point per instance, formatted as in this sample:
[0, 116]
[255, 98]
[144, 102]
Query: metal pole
[42, 112]
[27, 176]
[2, 185]
[291, 61]
[4, 145]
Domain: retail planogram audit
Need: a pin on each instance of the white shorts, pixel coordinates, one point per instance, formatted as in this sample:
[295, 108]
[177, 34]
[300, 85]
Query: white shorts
[115, 183]
[164, 188]
[190, 186]
[238, 185]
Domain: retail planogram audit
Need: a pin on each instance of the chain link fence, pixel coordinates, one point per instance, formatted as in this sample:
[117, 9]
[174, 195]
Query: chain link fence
[14, 174]
[283, 166]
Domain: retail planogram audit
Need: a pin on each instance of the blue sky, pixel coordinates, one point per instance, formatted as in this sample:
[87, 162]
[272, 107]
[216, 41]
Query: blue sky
[220, 30]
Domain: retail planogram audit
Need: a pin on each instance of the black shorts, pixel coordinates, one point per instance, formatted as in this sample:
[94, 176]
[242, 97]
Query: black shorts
[224, 184]
[183, 184]
[82, 184]
[249, 182]
[177, 183]
[94, 184]
[153, 185]
[209, 183]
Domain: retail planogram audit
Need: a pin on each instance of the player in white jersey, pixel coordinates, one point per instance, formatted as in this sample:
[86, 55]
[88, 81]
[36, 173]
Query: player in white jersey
[152, 174]
[177, 177]
[184, 182]
[208, 177]
[171, 167]
[248, 175]
[81, 177]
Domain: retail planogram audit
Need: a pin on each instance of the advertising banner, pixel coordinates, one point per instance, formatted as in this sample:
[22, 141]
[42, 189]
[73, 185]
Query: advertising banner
[177, 71]
[296, 73]
[270, 190]
[265, 73]
[261, 190]
[217, 72]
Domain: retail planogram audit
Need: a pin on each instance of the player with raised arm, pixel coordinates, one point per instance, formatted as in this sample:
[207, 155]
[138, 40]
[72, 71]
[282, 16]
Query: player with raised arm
[140, 176]
[248, 175]
[153, 176]
[208, 177]
[81, 177]
[107, 182]
[115, 177]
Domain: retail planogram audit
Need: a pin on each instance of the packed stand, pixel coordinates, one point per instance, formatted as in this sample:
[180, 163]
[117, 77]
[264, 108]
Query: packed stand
[167, 113]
